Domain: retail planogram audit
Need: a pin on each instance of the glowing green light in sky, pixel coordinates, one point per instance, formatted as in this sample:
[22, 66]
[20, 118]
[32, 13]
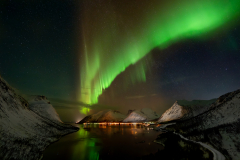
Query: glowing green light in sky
[84, 110]
[116, 38]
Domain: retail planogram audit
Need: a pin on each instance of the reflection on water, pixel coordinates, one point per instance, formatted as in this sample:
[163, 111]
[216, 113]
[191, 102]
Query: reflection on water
[94, 141]
[86, 147]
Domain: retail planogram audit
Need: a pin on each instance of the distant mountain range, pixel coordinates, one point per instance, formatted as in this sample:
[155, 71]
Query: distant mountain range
[104, 116]
[145, 114]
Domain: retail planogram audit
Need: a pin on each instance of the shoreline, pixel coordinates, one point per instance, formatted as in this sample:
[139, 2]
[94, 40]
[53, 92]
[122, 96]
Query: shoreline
[58, 140]
[216, 154]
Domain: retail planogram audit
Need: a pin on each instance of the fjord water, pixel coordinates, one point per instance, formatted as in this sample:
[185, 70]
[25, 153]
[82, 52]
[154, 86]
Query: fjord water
[94, 141]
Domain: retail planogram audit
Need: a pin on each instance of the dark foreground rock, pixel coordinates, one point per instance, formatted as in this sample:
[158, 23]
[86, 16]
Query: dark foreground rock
[219, 127]
[176, 148]
[27, 128]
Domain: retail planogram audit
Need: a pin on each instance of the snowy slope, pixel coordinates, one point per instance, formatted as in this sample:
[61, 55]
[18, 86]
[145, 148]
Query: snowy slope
[95, 117]
[104, 116]
[217, 127]
[41, 106]
[24, 134]
[183, 109]
[145, 114]
[112, 116]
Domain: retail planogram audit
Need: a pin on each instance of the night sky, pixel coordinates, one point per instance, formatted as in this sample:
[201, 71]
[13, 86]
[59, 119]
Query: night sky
[106, 54]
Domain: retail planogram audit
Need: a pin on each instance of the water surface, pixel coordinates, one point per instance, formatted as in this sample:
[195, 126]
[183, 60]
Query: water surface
[94, 141]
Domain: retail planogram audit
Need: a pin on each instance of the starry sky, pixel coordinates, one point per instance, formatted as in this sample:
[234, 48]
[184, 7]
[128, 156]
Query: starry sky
[119, 54]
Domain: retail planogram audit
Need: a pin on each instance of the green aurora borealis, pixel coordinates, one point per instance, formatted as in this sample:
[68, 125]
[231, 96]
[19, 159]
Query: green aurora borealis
[114, 37]
[120, 54]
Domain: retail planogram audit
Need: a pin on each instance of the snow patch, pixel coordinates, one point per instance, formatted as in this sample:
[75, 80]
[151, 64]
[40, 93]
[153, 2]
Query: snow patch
[41, 106]
[145, 114]
[104, 116]
[183, 109]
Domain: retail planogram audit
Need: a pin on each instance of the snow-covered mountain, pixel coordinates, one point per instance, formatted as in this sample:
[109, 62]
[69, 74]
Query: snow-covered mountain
[217, 127]
[145, 114]
[27, 128]
[41, 106]
[104, 116]
[183, 109]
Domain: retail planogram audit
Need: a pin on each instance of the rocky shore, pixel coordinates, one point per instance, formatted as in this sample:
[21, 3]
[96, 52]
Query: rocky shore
[217, 127]
[27, 127]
